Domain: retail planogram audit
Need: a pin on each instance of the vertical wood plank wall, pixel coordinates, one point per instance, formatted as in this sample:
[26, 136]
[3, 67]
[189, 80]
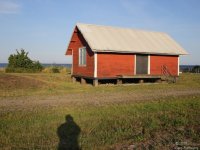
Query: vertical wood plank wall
[76, 42]
[112, 64]
[158, 61]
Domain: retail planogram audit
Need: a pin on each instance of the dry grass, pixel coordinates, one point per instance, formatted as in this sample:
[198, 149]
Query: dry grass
[55, 69]
[60, 84]
[2, 70]
[12, 82]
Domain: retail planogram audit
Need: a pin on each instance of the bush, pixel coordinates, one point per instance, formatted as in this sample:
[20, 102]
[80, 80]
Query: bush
[55, 69]
[20, 62]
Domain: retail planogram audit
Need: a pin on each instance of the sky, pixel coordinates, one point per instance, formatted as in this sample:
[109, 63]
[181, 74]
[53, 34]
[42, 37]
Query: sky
[44, 27]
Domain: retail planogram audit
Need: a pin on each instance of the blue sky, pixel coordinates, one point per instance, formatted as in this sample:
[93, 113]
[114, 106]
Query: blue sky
[43, 27]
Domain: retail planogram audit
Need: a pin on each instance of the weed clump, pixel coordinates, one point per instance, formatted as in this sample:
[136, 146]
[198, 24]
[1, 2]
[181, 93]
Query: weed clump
[56, 69]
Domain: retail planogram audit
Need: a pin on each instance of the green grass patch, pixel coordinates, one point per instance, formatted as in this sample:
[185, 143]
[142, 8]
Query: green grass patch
[166, 121]
[54, 84]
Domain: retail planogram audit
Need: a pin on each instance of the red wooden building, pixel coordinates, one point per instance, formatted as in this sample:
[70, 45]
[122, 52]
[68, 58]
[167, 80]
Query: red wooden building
[105, 53]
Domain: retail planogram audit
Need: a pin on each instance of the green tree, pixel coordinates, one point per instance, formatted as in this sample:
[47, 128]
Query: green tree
[20, 62]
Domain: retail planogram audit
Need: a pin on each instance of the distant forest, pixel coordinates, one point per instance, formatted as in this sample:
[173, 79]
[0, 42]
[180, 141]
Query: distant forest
[190, 68]
[183, 68]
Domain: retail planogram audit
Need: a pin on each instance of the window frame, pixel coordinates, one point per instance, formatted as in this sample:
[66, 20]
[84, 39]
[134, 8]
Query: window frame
[82, 55]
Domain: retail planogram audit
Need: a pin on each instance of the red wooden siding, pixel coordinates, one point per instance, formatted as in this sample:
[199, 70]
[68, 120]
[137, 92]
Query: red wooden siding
[112, 64]
[76, 42]
[156, 63]
[69, 52]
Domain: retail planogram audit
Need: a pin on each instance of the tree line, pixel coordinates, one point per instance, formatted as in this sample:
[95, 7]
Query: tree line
[194, 69]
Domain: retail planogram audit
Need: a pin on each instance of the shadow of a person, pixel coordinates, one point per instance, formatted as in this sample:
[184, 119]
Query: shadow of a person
[68, 134]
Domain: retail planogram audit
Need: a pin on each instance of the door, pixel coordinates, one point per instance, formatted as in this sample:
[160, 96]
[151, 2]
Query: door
[141, 64]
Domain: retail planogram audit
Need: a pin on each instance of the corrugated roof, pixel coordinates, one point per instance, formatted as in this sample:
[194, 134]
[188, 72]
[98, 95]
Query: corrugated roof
[124, 40]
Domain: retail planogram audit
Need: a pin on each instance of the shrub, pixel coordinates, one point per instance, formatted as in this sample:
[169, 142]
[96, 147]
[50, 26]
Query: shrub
[55, 69]
[20, 62]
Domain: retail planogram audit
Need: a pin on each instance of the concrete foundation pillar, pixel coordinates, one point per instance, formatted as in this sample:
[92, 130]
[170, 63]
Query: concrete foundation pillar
[83, 81]
[175, 80]
[95, 82]
[119, 81]
[73, 79]
[158, 81]
[141, 81]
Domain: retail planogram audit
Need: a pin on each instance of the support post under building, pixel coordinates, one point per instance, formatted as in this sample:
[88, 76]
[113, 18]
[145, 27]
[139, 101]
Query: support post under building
[95, 82]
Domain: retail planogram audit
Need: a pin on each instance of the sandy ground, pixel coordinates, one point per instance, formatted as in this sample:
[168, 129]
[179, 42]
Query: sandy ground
[94, 99]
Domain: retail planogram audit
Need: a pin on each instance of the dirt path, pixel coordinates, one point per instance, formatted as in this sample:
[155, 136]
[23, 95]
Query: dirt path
[95, 99]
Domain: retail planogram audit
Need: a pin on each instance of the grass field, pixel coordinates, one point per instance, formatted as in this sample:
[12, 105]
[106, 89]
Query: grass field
[33, 108]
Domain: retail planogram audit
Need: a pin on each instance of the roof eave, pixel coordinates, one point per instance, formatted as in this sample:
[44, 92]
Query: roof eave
[156, 53]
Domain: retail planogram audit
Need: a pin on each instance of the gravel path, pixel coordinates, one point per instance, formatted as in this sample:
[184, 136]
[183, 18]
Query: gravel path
[95, 99]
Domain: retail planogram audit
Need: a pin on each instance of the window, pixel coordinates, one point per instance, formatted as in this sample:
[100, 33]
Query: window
[82, 56]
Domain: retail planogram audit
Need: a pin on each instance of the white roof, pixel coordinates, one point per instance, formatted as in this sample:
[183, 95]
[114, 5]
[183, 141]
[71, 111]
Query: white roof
[123, 40]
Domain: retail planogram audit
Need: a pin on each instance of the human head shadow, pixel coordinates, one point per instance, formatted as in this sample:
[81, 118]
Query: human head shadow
[68, 134]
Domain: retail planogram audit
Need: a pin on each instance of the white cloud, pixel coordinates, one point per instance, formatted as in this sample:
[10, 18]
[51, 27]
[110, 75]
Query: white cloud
[9, 7]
